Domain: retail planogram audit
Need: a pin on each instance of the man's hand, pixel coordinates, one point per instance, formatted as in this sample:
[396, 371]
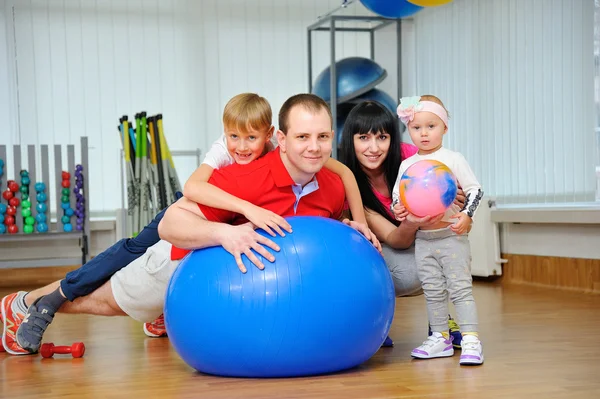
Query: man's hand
[267, 220]
[364, 230]
[461, 198]
[242, 240]
[463, 225]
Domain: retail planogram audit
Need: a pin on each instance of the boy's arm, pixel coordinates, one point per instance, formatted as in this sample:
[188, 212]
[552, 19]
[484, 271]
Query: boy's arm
[351, 187]
[199, 190]
[201, 233]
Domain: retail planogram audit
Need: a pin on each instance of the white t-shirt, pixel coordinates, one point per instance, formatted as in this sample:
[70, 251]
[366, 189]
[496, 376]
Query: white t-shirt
[461, 169]
[218, 157]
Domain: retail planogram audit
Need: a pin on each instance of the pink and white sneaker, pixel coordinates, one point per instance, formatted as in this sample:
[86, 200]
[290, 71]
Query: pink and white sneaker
[434, 346]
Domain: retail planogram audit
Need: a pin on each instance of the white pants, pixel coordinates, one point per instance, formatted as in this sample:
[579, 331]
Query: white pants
[140, 287]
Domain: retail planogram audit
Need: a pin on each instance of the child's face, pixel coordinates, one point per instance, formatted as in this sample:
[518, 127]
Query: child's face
[245, 147]
[426, 132]
[371, 149]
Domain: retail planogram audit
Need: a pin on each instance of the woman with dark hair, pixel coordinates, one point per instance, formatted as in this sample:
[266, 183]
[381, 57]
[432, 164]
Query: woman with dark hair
[372, 150]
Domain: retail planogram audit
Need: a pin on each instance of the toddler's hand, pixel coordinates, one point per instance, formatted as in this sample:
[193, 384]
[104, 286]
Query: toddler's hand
[400, 212]
[463, 225]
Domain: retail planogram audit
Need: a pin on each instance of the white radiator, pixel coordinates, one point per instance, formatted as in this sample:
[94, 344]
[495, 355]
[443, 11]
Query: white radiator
[485, 242]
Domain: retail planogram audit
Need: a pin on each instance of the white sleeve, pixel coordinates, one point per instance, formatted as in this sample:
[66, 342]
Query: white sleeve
[469, 184]
[218, 156]
[396, 188]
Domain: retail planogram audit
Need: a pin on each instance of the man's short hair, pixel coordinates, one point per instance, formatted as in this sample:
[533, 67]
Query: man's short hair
[310, 102]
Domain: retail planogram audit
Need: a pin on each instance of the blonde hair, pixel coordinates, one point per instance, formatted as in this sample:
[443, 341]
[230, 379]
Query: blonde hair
[434, 99]
[247, 111]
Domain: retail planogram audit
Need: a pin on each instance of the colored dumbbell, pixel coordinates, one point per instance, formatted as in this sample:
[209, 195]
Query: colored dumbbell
[49, 349]
[28, 221]
[41, 207]
[80, 199]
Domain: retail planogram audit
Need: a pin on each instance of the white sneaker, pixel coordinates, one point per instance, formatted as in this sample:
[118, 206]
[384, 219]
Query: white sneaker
[472, 351]
[435, 346]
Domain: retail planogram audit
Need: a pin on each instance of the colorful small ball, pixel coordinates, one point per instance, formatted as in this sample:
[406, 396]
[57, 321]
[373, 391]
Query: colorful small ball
[41, 197]
[66, 175]
[26, 212]
[9, 220]
[13, 229]
[24, 173]
[68, 227]
[40, 218]
[24, 189]
[28, 229]
[41, 207]
[40, 186]
[42, 227]
[11, 210]
[2, 208]
[64, 199]
[2, 229]
[30, 220]
[427, 188]
[25, 180]
[65, 205]
[69, 212]
[24, 197]
[65, 219]
[14, 202]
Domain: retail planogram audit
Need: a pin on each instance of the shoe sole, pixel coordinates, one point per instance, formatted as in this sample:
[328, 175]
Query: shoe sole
[447, 353]
[471, 362]
[4, 332]
[152, 335]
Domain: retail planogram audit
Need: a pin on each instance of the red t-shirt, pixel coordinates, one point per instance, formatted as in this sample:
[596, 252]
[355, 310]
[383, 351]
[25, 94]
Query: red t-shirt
[267, 183]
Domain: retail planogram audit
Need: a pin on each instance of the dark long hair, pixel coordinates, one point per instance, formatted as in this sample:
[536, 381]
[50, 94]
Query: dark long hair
[371, 116]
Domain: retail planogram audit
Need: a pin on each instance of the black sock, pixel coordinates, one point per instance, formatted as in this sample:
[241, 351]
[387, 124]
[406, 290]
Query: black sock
[51, 302]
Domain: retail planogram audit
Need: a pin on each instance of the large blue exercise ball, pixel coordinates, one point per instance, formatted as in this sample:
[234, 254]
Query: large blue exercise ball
[355, 76]
[326, 304]
[391, 8]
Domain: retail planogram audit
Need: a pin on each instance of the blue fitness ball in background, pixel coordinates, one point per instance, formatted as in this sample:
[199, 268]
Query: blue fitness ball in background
[326, 304]
[391, 8]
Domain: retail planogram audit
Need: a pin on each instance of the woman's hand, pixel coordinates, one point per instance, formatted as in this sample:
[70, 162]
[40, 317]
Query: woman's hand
[460, 198]
[424, 221]
[266, 220]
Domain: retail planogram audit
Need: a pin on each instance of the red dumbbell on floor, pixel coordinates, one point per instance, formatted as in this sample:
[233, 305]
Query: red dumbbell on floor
[48, 350]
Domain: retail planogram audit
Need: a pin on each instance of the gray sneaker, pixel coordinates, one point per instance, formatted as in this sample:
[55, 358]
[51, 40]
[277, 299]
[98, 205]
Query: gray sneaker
[33, 327]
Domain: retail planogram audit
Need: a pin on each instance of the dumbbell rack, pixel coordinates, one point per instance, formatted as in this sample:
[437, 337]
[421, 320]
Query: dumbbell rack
[53, 234]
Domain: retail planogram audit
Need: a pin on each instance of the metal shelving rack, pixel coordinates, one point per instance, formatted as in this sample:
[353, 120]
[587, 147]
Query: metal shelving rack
[330, 23]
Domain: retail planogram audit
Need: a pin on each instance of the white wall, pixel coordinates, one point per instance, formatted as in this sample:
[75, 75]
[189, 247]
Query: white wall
[81, 64]
[517, 77]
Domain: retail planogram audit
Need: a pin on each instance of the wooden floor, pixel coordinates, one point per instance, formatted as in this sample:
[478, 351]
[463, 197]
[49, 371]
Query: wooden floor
[539, 343]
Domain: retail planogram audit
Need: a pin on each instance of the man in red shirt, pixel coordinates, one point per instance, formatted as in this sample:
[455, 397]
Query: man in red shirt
[288, 181]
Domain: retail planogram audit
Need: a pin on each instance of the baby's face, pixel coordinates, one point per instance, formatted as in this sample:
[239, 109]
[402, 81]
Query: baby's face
[245, 147]
[426, 132]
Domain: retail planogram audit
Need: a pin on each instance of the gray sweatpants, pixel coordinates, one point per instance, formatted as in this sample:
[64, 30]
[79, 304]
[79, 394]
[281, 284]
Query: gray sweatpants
[403, 268]
[444, 267]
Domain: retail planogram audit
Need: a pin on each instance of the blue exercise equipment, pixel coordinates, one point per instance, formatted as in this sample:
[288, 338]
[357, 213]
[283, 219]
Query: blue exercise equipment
[326, 304]
[355, 76]
[380, 96]
[391, 8]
